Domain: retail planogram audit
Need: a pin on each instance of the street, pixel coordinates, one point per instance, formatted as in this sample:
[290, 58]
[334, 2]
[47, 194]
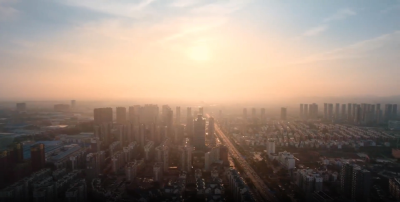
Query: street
[257, 181]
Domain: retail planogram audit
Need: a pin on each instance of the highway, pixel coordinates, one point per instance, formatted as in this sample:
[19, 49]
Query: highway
[257, 181]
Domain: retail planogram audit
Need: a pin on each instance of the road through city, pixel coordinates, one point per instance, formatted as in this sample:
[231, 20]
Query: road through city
[249, 171]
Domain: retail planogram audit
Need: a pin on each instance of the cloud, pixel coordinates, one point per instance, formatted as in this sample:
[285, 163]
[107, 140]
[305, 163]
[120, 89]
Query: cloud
[341, 14]
[7, 12]
[385, 46]
[316, 30]
[117, 8]
[221, 8]
[394, 7]
[194, 22]
[184, 3]
[189, 29]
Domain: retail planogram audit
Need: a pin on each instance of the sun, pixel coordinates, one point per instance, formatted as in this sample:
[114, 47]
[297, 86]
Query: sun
[199, 53]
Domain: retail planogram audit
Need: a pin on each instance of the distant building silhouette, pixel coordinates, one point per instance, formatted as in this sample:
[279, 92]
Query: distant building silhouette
[211, 131]
[37, 157]
[305, 111]
[283, 113]
[199, 129]
[61, 107]
[121, 115]
[189, 122]
[301, 111]
[178, 116]
[103, 115]
[73, 104]
[21, 106]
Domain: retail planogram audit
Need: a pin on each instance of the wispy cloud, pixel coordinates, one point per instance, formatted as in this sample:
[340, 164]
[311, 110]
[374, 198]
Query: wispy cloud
[217, 14]
[394, 7]
[221, 7]
[379, 46]
[126, 9]
[341, 14]
[7, 12]
[316, 30]
[184, 3]
[188, 29]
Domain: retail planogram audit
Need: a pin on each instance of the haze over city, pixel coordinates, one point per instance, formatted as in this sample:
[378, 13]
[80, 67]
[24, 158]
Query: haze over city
[199, 101]
[194, 50]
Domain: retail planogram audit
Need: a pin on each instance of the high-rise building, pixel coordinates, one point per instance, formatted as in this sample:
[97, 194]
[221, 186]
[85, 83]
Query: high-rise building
[305, 111]
[77, 191]
[158, 172]
[358, 114]
[18, 152]
[388, 111]
[245, 114]
[313, 111]
[201, 111]
[211, 157]
[186, 156]
[211, 131]
[346, 180]
[103, 132]
[223, 155]
[361, 184]
[199, 128]
[189, 122]
[337, 110]
[131, 115]
[142, 135]
[162, 155]
[73, 104]
[378, 113]
[263, 118]
[349, 117]
[343, 116]
[148, 151]
[301, 111]
[103, 115]
[330, 111]
[121, 115]
[149, 114]
[93, 163]
[37, 157]
[122, 133]
[283, 113]
[394, 112]
[178, 116]
[167, 121]
[21, 106]
[364, 109]
[132, 168]
[179, 133]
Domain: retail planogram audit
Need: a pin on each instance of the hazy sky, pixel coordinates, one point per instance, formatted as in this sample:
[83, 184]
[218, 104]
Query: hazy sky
[198, 49]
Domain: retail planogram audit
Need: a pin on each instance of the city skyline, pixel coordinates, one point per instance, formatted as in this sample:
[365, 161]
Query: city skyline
[199, 100]
[264, 50]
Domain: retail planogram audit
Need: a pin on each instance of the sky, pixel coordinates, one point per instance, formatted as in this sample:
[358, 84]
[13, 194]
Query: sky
[211, 50]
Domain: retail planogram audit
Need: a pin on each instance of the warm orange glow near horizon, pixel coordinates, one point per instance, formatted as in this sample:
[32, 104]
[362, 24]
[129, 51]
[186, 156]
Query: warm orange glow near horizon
[218, 52]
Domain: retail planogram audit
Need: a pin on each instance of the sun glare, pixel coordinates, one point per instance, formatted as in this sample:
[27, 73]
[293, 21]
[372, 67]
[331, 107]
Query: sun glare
[199, 53]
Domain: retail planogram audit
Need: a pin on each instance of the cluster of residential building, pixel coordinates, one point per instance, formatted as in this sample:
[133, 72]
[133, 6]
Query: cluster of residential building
[47, 185]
